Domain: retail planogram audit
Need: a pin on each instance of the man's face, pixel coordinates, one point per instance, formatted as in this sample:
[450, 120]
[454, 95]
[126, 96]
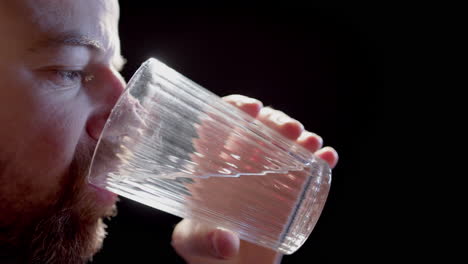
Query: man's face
[59, 79]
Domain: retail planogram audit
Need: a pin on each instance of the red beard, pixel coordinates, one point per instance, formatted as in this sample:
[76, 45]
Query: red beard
[69, 229]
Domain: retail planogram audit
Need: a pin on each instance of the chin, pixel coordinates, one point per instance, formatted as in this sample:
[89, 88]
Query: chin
[97, 241]
[65, 227]
[97, 205]
[73, 234]
[75, 231]
[93, 238]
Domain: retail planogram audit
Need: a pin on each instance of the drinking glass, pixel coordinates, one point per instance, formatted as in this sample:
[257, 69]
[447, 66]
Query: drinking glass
[173, 145]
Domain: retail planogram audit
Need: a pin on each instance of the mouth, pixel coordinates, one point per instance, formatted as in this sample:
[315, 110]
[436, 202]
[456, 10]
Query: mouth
[103, 197]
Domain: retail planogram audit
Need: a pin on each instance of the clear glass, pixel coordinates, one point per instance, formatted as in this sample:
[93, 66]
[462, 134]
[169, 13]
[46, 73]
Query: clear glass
[174, 146]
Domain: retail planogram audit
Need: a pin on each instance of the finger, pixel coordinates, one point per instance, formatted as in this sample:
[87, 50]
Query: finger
[281, 122]
[310, 141]
[247, 104]
[193, 239]
[329, 155]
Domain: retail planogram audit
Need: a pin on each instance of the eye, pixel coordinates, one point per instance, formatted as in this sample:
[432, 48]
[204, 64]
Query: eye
[67, 78]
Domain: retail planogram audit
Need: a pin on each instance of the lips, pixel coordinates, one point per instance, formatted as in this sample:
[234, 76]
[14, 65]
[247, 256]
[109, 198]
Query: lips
[103, 196]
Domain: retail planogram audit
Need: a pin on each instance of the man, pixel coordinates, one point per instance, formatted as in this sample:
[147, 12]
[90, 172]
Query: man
[59, 63]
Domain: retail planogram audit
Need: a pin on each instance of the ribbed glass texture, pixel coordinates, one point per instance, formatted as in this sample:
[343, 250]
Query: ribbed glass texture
[173, 145]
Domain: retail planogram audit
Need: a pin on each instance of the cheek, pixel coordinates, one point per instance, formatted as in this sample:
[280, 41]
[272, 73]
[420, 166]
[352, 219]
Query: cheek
[41, 149]
[50, 137]
[58, 134]
[38, 136]
[53, 147]
[39, 126]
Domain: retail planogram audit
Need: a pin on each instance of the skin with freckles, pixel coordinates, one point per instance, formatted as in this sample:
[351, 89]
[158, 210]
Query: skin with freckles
[59, 63]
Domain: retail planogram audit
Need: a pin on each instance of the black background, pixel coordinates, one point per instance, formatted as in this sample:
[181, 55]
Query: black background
[322, 66]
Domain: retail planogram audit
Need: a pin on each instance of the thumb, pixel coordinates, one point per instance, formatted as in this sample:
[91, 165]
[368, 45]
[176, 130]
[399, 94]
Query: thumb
[193, 239]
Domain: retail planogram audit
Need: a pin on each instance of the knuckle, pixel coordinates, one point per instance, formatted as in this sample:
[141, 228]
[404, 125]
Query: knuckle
[239, 98]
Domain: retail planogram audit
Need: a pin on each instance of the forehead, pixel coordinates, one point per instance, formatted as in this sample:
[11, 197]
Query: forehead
[96, 19]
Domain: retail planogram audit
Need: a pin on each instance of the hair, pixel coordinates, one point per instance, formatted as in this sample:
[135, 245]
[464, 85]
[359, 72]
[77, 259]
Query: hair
[71, 230]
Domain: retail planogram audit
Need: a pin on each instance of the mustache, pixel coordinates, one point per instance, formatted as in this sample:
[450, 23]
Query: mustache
[80, 164]
[75, 177]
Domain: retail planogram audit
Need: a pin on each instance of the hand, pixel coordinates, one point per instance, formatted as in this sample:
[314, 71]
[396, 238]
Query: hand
[201, 243]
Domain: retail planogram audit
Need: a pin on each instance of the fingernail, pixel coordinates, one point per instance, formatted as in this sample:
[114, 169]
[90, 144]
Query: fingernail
[249, 100]
[281, 119]
[222, 241]
[214, 245]
[267, 110]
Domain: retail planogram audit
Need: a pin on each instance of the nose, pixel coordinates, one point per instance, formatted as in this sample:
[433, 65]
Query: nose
[104, 93]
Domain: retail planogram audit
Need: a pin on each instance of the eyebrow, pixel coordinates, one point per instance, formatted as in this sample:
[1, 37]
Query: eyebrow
[73, 39]
[80, 41]
[68, 39]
